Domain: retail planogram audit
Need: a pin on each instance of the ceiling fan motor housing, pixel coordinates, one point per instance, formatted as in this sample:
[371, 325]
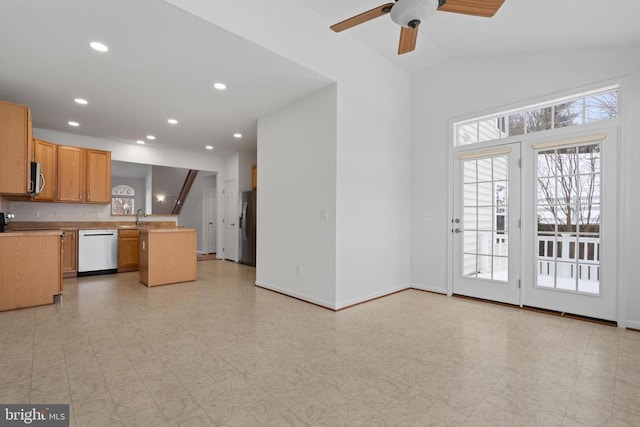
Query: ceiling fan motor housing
[407, 12]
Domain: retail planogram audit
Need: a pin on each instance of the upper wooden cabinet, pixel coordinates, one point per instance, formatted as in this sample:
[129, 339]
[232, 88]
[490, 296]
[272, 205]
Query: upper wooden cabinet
[84, 175]
[254, 177]
[46, 155]
[71, 184]
[98, 176]
[16, 145]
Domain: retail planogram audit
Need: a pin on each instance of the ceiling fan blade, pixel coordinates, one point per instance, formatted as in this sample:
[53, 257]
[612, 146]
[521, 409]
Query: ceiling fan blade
[484, 8]
[408, 38]
[363, 17]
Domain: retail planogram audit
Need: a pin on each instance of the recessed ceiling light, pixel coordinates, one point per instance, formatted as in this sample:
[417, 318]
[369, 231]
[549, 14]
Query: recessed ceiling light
[220, 86]
[237, 135]
[100, 47]
[74, 124]
[172, 121]
[81, 101]
[141, 142]
[151, 137]
[209, 147]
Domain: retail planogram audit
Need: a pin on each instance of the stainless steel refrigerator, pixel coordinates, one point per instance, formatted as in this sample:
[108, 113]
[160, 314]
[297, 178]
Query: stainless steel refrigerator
[248, 228]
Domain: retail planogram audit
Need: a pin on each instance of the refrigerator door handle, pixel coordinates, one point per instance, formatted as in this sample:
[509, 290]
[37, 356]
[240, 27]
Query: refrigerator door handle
[243, 220]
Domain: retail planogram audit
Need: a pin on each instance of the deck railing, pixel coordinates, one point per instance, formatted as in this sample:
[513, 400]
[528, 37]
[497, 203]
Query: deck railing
[571, 256]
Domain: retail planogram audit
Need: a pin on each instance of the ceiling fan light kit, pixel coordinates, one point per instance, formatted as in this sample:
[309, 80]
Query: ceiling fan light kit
[406, 12]
[409, 14]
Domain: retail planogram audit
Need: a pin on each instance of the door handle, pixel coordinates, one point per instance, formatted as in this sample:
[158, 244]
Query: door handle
[457, 230]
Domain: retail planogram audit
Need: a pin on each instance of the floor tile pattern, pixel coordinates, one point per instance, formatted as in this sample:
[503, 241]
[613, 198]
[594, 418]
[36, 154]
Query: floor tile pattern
[221, 352]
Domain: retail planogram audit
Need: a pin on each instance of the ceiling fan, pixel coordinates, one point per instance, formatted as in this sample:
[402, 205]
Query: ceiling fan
[409, 14]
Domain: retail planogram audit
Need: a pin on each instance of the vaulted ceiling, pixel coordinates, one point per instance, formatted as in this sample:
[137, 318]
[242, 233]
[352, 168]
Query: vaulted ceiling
[163, 62]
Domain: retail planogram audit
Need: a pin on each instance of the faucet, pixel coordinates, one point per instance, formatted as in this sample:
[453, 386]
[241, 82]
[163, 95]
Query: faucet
[144, 214]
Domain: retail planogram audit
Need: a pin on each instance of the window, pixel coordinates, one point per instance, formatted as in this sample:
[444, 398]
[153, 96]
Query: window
[122, 200]
[568, 207]
[594, 106]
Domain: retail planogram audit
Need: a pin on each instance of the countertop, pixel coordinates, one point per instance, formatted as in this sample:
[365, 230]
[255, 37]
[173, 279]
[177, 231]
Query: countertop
[31, 233]
[88, 225]
[166, 230]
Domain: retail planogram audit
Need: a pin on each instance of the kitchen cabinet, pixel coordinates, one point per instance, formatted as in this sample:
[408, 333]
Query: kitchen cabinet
[167, 256]
[70, 173]
[128, 250]
[30, 273]
[45, 153]
[83, 175]
[16, 142]
[98, 176]
[69, 253]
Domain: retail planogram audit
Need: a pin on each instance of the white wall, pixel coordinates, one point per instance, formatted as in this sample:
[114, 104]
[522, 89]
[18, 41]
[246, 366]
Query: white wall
[463, 87]
[135, 153]
[166, 182]
[372, 137]
[297, 175]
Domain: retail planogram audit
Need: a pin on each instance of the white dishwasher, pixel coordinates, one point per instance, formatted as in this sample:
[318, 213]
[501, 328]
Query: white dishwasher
[97, 252]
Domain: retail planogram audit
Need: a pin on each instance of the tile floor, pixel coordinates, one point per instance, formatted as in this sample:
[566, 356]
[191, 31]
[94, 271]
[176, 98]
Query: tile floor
[220, 351]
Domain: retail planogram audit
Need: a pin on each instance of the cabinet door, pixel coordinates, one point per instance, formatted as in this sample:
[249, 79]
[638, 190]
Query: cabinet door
[70, 186]
[70, 253]
[254, 177]
[98, 176]
[128, 250]
[45, 154]
[17, 148]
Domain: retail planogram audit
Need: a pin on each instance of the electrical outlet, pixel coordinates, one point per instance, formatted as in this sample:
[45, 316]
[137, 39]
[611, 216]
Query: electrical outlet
[324, 214]
[428, 216]
[36, 214]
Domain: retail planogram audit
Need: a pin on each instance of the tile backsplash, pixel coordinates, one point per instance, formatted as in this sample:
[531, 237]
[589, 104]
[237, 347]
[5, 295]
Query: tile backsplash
[56, 212]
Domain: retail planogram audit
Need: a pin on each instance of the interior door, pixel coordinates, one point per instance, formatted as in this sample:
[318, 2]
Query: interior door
[212, 219]
[230, 220]
[486, 224]
[572, 240]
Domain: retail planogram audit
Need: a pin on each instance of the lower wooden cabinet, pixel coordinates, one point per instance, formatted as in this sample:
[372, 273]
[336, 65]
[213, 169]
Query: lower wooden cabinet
[69, 253]
[167, 256]
[30, 273]
[128, 250]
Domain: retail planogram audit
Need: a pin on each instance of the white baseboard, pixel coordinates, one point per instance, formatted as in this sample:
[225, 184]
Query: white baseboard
[435, 289]
[369, 297]
[297, 295]
[633, 325]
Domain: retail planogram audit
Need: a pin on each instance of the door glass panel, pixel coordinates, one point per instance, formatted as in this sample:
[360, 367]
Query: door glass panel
[568, 194]
[485, 218]
[500, 168]
[470, 171]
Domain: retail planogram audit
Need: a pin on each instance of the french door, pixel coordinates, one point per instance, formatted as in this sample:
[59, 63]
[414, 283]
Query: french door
[549, 243]
[486, 234]
[572, 240]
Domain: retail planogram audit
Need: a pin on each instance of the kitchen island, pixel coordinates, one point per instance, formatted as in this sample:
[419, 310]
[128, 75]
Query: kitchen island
[167, 255]
[30, 269]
